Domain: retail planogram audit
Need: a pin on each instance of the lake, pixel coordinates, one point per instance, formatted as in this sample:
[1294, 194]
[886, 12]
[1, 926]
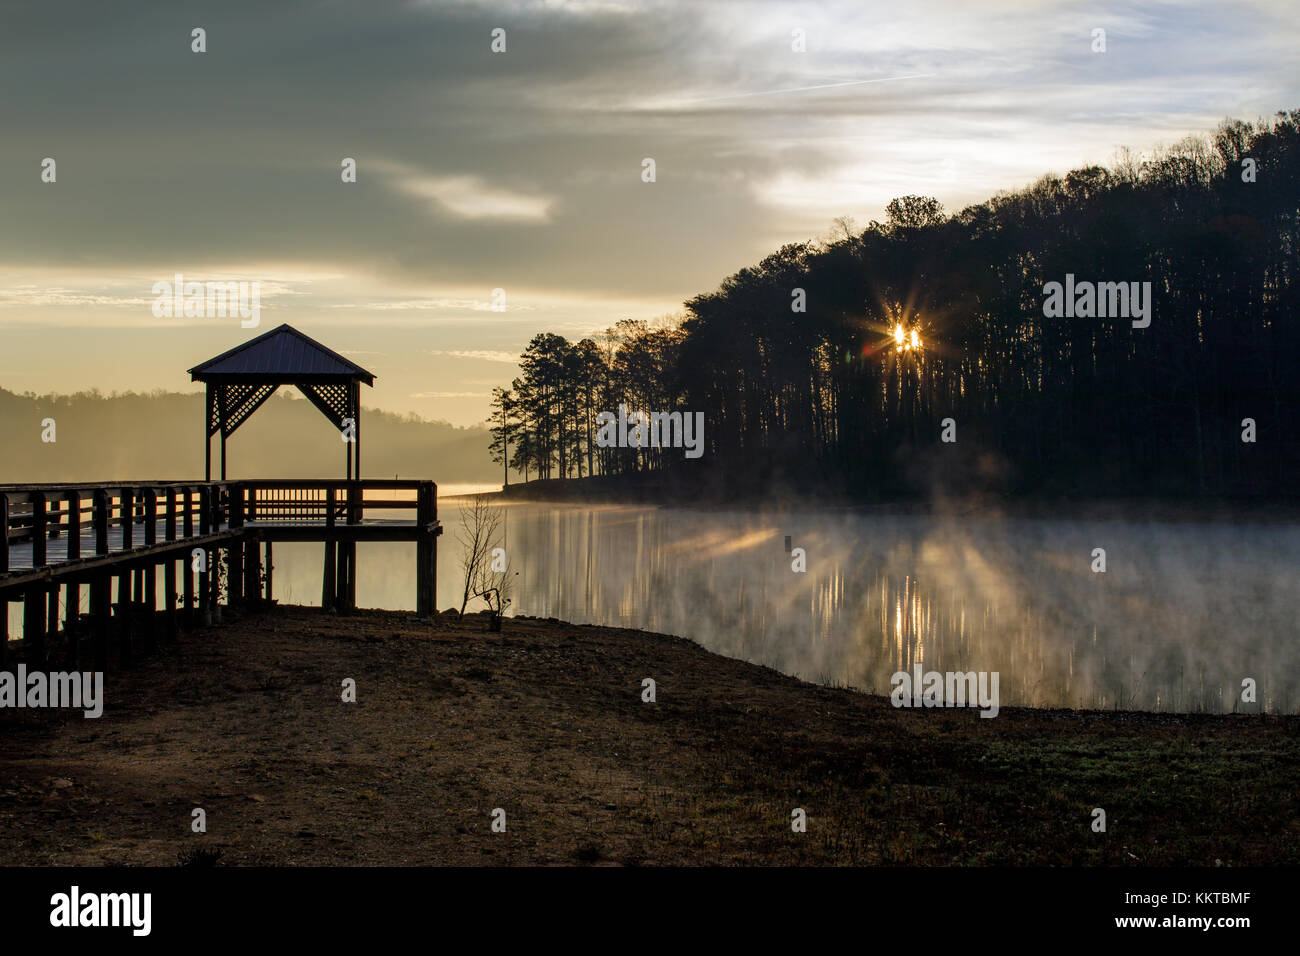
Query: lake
[1182, 614]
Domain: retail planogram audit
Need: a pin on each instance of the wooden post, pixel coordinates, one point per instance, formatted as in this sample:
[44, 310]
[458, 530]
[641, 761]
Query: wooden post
[71, 620]
[341, 580]
[187, 564]
[352, 576]
[169, 597]
[169, 517]
[125, 652]
[235, 552]
[169, 566]
[52, 617]
[150, 516]
[137, 601]
[252, 566]
[328, 580]
[328, 574]
[356, 424]
[4, 543]
[127, 511]
[38, 529]
[103, 507]
[101, 598]
[207, 431]
[270, 568]
[425, 547]
[102, 614]
[150, 575]
[209, 572]
[34, 621]
[433, 551]
[74, 527]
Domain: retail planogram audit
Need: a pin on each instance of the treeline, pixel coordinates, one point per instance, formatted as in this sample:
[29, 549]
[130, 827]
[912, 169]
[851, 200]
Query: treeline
[148, 437]
[806, 369]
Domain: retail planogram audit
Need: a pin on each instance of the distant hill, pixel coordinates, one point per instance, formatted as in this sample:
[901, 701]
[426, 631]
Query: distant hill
[160, 436]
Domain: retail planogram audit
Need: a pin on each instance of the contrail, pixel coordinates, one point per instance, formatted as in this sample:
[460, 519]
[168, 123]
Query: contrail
[802, 89]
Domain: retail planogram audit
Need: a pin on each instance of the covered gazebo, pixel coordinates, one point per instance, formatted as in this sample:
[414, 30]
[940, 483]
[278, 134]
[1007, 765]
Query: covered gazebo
[240, 380]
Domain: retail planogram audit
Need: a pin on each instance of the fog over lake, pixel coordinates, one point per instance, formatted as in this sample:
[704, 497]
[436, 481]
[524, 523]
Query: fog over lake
[1182, 614]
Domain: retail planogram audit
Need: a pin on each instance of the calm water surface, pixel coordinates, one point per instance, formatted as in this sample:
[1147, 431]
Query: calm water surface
[1183, 613]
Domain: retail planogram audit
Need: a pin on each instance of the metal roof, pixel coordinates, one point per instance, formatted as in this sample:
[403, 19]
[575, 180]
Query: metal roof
[282, 355]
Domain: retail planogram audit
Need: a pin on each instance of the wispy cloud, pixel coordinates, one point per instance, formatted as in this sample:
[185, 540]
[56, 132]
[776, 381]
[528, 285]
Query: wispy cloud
[427, 305]
[465, 196]
[485, 355]
[449, 394]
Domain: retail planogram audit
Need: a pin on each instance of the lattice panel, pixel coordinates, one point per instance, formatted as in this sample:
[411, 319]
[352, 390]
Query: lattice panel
[334, 401]
[241, 401]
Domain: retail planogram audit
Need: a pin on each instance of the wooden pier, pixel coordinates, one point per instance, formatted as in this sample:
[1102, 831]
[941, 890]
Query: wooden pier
[212, 540]
[209, 544]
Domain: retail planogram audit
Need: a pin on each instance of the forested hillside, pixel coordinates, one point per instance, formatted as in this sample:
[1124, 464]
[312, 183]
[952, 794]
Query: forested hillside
[928, 316]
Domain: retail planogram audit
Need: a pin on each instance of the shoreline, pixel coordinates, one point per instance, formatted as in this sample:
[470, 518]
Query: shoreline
[578, 492]
[546, 721]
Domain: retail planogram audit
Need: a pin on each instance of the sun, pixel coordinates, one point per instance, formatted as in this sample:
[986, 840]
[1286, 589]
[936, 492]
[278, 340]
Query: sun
[906, 341]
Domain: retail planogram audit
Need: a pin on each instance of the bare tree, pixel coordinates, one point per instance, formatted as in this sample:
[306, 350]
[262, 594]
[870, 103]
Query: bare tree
[486, 576]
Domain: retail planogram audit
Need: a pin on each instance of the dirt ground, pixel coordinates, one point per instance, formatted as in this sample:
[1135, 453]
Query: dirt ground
[545, 720]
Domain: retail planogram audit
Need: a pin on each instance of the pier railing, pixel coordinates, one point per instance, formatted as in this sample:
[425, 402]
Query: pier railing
[76, 534]
[92, 519]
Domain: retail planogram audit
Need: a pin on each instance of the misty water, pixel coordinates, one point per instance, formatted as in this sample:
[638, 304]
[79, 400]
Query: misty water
[1182, 614]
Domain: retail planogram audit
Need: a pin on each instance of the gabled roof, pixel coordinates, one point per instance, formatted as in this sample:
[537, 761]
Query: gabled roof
[283, 355]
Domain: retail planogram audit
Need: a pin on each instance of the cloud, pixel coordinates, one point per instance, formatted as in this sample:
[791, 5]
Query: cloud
[485, 355]
[427, 305]
[522, 170]
[465, 196]
[449, 394]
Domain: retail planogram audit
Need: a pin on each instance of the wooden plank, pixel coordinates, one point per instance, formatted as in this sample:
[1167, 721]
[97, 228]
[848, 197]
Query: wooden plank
[16, 580]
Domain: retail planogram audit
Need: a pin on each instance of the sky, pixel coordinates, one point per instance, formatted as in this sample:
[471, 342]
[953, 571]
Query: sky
[522, 170]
